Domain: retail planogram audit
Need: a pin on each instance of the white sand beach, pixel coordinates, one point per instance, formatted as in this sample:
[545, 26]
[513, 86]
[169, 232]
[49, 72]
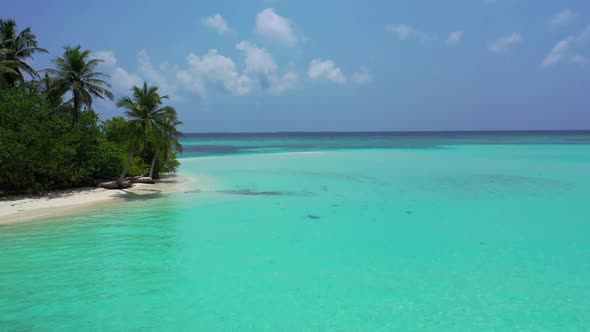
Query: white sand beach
[63, 202]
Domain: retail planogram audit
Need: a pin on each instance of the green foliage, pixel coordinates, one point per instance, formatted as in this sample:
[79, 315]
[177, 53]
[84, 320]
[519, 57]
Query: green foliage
[15, 48]
[151, 129]
[75, 72]
[40, 149]
[170, 164]
[113, 129]
[46, 143]
[138, 167]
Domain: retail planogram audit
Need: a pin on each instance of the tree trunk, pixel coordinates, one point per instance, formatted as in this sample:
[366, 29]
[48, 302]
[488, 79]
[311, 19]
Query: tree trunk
[76, 110]
[122, 176]
[154, 163]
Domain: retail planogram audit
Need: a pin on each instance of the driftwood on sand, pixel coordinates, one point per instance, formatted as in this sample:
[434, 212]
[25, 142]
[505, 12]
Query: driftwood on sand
[142, 179]
[115, 185]
[127, 183]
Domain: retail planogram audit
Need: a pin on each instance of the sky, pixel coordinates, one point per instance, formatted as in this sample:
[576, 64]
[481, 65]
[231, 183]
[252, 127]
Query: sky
[333, 65]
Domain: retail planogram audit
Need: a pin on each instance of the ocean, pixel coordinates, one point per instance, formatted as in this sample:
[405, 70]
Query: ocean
[443, 231]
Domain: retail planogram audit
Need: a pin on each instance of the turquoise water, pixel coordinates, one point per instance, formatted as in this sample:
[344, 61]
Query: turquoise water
[429, 236]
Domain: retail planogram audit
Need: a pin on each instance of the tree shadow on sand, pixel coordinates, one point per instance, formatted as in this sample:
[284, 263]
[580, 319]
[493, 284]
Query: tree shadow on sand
[139, 194]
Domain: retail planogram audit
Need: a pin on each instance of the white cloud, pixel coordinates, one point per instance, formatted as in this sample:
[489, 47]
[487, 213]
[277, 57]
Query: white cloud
[191, 82]
[402, 31]
[275, 27]
[217, 23]
[455, 38]
[561, 52]
[123, 81]
[108, 58]
[154, 76]
[584, 36]
[578, 60]
[558, 52]
[502, 43]
[363, 76]
[260, 61]
[216, 69]
[325, 70]
[288, 81]
[564, 17]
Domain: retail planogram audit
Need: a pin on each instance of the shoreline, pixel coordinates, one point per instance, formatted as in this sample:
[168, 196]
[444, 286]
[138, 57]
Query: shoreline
[71, 201]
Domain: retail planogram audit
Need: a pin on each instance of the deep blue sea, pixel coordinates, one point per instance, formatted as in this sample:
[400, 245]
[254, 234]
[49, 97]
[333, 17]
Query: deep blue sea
[211, 144]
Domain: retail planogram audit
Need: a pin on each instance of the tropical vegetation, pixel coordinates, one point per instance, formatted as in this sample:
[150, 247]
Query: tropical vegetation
[51, 136]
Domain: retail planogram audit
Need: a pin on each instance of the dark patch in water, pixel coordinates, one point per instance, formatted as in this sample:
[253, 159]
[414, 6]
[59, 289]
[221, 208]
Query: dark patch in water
[192, 191]
[312, 216]
[409, 212]
[483, 243]
[248, 192]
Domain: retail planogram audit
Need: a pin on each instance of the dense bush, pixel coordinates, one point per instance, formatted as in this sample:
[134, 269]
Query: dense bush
[40, 147]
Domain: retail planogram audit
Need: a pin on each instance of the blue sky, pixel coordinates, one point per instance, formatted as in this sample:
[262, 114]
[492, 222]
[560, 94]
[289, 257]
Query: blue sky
[287, 65]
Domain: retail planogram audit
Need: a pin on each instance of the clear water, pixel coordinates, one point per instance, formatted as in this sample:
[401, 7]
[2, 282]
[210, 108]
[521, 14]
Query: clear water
[345, 234]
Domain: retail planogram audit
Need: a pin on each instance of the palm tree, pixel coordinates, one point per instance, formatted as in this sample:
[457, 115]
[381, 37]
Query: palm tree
[47, 87]
[15, 49]
[6, 70]
[75, 72]
[168, 141]
[147, 120]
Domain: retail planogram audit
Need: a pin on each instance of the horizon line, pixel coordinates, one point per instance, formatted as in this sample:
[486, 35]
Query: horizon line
[396, 131]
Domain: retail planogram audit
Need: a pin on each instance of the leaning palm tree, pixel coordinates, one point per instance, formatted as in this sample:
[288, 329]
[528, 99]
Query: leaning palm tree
[168, 140]
[15, 49]
[75, 72]
[147, 120]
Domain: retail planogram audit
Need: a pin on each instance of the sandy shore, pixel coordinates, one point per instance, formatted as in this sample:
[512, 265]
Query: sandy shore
[64, 202]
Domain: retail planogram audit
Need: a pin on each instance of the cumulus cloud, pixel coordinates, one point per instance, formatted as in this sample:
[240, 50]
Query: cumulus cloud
[155, 76]
[401, 31]
[578, 60]
[260, 62]
[213, 70]
[455, 38]
[108, 58]
[564, 17]
[275, 27]
[558, 52]
[501, 44]
[325, 70]
[404, 32]
[217, 23]
[566, 48]
[283, 83]
[123, 81]
[584, 36]
[361, 77]
[216, 69]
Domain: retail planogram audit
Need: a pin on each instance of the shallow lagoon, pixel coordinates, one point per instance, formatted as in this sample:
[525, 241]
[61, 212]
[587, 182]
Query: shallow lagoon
[462, 237]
